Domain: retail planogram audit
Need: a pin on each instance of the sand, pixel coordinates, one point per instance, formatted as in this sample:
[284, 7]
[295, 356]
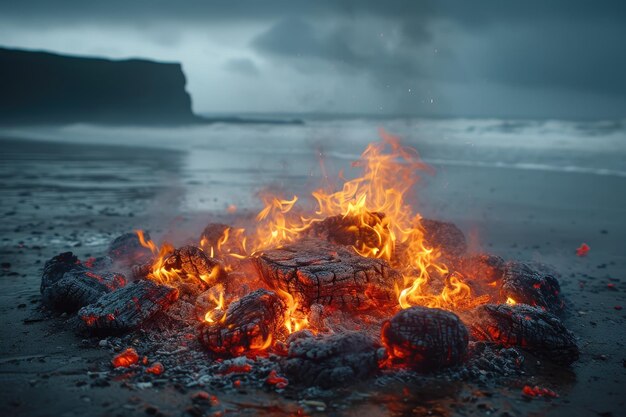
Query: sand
[58, 197]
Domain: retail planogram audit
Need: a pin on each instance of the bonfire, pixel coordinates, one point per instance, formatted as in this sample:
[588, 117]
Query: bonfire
[357, 285]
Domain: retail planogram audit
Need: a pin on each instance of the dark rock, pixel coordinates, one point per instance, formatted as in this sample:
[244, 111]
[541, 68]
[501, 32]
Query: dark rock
[425, 339]
[42, 87]
[126, 308]
[530, 328]
[532, 284]
[316, 271]
[251, 324]
[331, 360]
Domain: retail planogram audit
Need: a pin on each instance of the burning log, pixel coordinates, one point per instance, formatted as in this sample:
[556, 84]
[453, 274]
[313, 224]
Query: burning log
[483, 268]
[316, 271]
[445, 236]
[350, 230]
[425, 339]
[213, 233]
[534, 285]
[128, 250]
[79, 288]
[528, 327]
[193, 262]
[331, 360]
[250, 324]
[126, 308]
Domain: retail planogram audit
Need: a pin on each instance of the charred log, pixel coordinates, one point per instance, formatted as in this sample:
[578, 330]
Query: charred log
[316, 271]
[425, 339]
[251, 324]
[192, 261]
[127, 250]
[126, 308]
[357, 231]
[484, 268]
[55, 268]
[212, 234]
[535, 285]
[80, 287]
[528, 327]
[445, 236]
[331, 360]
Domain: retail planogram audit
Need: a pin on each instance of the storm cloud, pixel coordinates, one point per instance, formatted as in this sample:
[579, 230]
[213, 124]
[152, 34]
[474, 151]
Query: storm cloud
[557, 59]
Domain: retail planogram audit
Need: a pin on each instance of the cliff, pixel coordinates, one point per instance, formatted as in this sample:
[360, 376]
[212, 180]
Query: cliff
[46, 88]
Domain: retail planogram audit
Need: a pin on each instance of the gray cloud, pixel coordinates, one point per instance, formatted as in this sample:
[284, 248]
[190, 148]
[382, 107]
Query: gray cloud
[436, 57]
[244, 66]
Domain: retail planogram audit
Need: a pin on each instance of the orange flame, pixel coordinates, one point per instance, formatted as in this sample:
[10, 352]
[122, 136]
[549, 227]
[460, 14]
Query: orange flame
[389, 172]
[217, 313]
[294, 320]
[167, 275]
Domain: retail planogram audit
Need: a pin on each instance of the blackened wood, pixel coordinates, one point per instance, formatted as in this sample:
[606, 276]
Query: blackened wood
[251, 323]
[127, 250]
[212, 233]
[316, 271]
[425, 339]
[484, 268]
[349, 230]
[80, 287]
[55, 268]
[445, 236]
[194, 263]
[331, 360]
[530, 328]
[126, 308]
[531, 284]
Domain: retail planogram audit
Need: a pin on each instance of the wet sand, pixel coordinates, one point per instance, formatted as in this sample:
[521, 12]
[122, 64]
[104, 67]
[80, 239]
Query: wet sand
[58, 197]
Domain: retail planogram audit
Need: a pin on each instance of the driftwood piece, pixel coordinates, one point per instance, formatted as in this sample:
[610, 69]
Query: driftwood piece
[316, 271]
[251, 324]
[79, 288]
[528, 327]
[445, 236]
[331, 360]
[532, 284]
[425, 339]
[55, 268]
[127, 250]
[126, 308]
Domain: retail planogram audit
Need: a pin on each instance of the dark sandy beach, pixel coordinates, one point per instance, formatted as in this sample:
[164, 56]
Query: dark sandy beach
[58, 197]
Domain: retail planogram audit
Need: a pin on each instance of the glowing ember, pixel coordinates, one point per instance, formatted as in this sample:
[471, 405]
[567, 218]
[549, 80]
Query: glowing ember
[126, 359]
[156, 368]
[536, 391]
[582, 250]
[510, 301]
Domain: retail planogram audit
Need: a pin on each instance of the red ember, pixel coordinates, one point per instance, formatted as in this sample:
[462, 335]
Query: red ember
[156, 368]
[279, 381]
[537, 391]
[126, 359]
[582, 250]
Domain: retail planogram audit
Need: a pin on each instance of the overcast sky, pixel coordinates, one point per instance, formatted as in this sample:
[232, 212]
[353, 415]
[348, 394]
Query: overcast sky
[492, 58]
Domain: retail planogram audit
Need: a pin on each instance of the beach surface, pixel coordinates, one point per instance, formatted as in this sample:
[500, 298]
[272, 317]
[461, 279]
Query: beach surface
[535, 198]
